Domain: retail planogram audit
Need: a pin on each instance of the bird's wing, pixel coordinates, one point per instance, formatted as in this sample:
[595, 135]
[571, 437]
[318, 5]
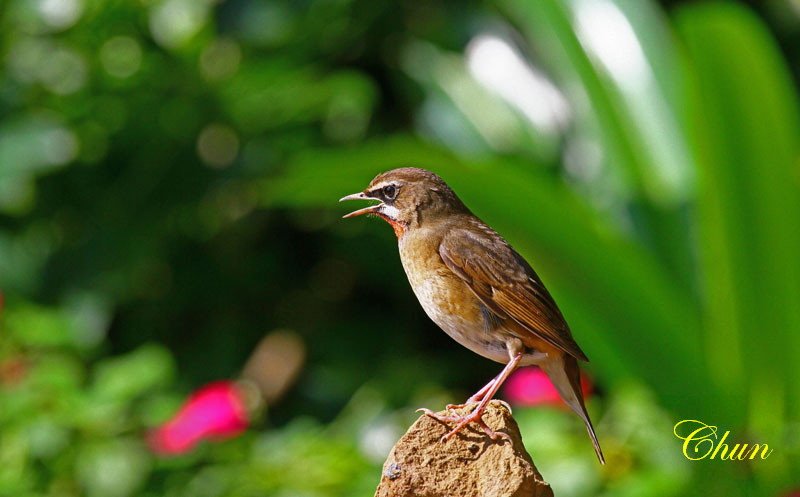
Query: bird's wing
[506, 284]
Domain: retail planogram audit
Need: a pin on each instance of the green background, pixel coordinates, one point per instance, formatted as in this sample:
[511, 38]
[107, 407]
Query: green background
[169, 171]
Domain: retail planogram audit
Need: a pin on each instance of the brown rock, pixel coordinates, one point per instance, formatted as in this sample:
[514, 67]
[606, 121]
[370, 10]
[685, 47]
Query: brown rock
[468, 465]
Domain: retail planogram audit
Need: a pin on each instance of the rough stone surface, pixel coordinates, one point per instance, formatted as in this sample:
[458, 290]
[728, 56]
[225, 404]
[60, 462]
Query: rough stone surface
[468, 465]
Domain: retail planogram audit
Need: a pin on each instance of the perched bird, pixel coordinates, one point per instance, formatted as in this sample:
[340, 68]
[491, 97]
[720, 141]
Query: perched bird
[477, 288]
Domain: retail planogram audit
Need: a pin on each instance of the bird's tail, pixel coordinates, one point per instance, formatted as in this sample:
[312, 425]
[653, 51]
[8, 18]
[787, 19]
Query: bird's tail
[566, 376]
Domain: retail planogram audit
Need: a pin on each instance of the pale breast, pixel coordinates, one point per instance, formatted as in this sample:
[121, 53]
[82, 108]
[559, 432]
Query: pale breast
[447, 300]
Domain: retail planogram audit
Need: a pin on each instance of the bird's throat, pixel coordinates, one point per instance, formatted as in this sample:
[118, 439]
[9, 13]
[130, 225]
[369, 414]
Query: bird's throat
[398, 227]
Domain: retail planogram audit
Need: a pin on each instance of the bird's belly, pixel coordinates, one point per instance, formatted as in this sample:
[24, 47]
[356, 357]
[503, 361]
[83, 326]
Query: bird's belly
[455, 309]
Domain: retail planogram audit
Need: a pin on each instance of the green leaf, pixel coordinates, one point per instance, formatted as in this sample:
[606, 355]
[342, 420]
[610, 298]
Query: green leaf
[113, 468]
[620, 67]
[36, 326]
[124, 378]
[457, 108]
[616, 61]
[747, 135]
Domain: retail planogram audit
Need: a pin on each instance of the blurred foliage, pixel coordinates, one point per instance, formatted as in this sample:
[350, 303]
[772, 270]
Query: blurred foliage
[168, 177]
[69, 429]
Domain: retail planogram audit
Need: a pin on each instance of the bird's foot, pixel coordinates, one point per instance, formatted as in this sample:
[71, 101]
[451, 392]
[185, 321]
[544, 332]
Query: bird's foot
[475, 417]
[442, 418]
[462, 420]
[469, 403]
[472, 401]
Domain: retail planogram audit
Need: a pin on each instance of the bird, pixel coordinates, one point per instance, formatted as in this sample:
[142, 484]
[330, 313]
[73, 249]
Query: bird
[477, 289]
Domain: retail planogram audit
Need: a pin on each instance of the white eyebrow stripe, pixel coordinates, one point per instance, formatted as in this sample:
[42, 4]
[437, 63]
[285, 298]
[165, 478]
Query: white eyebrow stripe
[380, 185]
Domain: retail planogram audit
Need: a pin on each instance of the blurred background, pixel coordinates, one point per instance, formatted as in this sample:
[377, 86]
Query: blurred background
[171, 244]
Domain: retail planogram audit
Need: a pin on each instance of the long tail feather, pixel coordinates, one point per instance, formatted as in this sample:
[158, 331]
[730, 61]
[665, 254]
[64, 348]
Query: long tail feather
[566, 376]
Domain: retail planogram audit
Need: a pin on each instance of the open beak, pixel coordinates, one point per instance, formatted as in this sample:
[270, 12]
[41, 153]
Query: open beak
[366, 210]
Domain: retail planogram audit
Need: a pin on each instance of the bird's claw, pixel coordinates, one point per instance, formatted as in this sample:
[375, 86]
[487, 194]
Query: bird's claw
[438, 417]
[496, 435]
[462, 421]
[468, 403]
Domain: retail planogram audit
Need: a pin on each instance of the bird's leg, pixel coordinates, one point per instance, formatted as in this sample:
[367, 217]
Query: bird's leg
[472, 400]
[475, 398]
[478, 396]
[476, 415]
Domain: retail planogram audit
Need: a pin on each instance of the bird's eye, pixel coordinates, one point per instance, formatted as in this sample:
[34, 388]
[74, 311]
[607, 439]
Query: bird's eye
[389, 191]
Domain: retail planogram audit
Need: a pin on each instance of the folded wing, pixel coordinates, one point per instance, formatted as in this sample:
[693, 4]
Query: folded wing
[506, 284]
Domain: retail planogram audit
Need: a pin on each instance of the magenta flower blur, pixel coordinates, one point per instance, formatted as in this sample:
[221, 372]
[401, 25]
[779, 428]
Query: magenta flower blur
[531, 386]
[216, 411]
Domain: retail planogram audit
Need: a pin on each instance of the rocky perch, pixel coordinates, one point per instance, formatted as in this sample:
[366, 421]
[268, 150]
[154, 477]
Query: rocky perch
[470, 464]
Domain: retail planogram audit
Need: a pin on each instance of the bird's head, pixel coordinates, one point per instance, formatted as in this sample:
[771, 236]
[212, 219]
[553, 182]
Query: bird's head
[407, 198]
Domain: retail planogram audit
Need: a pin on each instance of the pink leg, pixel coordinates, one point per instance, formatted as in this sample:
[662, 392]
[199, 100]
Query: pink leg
[475, 416]
[475, 398]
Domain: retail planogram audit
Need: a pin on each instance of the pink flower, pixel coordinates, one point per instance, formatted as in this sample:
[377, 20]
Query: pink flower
[216, 411]
[531, 386]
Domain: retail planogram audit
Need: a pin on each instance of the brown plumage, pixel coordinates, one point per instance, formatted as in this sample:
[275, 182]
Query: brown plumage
[476, 287]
